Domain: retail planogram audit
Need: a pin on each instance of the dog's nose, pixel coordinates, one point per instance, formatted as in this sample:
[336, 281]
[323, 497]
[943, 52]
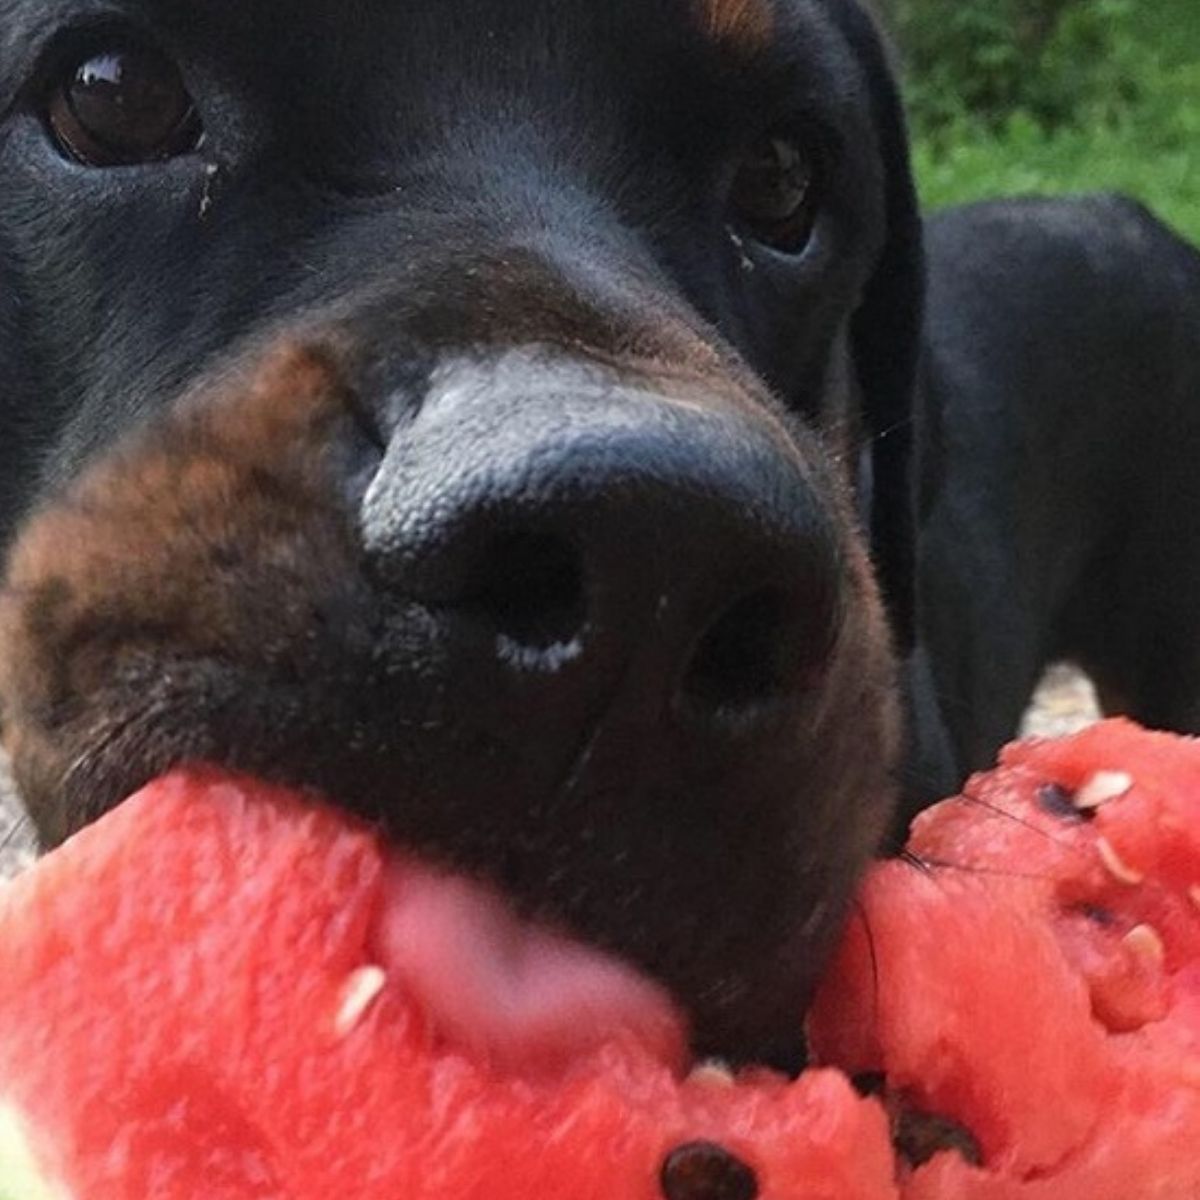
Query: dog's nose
[588, 542]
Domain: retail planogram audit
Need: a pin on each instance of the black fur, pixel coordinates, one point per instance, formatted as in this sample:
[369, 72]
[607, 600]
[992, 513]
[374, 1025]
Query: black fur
[1059, 418]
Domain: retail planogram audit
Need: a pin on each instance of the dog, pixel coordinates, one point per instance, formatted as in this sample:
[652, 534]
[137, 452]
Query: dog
[1058, 508]
[522, 423]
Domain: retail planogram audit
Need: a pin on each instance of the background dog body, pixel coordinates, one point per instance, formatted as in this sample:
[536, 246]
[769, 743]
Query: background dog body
[1060, 423]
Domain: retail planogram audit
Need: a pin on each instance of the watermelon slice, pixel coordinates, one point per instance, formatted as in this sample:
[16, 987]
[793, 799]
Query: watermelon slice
[1033, 975]
[226, 991]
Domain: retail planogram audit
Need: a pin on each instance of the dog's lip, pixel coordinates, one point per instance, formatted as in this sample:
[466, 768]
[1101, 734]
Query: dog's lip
[518, 996]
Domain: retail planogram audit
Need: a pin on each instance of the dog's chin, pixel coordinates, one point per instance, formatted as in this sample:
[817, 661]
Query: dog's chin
[505, 971]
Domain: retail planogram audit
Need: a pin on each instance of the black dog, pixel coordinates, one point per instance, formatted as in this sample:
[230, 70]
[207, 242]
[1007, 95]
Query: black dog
[474, 409]
[1060, 507]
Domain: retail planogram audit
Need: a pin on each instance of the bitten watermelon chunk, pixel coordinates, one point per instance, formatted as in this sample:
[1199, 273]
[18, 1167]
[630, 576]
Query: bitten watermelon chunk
[1036, 977]
[190, 1007]
[202, 996]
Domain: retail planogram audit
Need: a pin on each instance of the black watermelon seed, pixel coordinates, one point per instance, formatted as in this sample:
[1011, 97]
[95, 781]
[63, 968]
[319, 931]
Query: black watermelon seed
[1058, 801]
[706, 1171]
[1103, 917]
[918, 1136]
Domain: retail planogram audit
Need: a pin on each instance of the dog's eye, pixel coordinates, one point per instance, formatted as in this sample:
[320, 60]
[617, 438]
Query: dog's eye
[123, 105]
[774, 194]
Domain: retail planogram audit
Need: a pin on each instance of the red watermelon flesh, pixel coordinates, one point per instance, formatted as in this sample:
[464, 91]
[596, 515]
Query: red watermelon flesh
[174, 1023]
[1037, 980]
[225, 991]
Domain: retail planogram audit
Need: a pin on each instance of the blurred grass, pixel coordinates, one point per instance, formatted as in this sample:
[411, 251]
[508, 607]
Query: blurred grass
[1149, 147]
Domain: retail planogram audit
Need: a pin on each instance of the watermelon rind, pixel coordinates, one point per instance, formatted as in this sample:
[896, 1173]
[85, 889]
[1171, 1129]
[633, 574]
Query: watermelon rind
[20, 1176]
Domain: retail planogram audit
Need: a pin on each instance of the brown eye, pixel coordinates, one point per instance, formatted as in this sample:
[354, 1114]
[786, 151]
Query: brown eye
[774, 194]
[123, 105]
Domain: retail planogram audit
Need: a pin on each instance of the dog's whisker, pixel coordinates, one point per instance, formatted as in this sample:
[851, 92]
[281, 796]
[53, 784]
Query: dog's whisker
[1003, 814]
[932, 864]
[912, 859]
[879, 435]
[16, 833]
[115, 731]
[872, 952]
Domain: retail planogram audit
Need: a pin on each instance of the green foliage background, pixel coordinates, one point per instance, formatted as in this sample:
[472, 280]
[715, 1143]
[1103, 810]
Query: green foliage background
[1052, 96]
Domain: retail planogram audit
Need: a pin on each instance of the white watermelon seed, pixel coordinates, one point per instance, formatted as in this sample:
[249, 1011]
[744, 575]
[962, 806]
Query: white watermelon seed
[1146, 942]
[1116, 866]
[1101, 788]
[358, 994]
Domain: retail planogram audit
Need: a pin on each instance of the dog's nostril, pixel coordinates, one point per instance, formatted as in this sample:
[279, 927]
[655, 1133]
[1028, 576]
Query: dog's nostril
[745, 661]
[530, 589]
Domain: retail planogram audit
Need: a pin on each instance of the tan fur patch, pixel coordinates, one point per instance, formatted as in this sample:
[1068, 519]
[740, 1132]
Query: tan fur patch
[747, 24]
[214, 533]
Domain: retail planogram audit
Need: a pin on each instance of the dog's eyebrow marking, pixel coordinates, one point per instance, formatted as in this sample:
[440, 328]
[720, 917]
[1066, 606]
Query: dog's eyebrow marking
[747, 24]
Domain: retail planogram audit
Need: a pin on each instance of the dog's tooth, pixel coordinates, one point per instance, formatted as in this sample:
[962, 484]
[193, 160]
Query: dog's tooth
[713, 1074]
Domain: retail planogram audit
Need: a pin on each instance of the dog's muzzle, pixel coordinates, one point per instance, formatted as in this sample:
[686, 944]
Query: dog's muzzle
[601, 635]
[589, 542]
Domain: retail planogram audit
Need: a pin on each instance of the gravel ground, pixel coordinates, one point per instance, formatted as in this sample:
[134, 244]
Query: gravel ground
[1065, 702]
[15, 850]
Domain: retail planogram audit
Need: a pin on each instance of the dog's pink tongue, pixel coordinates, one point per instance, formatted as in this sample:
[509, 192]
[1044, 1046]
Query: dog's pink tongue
[507, 992]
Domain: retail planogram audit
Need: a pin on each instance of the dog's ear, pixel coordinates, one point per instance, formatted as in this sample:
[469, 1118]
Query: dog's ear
[886, 335]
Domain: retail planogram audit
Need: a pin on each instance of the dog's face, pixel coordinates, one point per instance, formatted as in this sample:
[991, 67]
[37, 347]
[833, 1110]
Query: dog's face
[455, 405]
